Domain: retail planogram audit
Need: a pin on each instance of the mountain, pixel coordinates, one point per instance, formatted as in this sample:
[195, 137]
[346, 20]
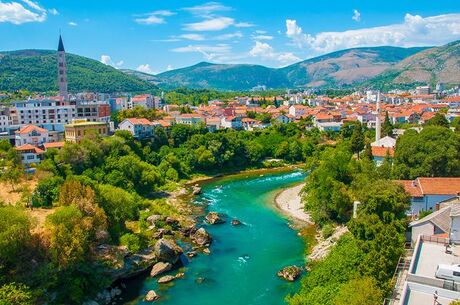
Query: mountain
[438, 64]
[36, 70]
[150, 78]
[338, 69]
[223, 77]
[347, 67]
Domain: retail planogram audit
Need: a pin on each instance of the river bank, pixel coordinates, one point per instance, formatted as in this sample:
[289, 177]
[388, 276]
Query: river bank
[289, 201]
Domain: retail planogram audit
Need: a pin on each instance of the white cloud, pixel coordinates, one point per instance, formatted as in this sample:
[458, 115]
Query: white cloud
[169, 68]
[244, 25]
[207, 8]
[145, 69]
[53, 11]
[262, 37]
[71, 23]
[196, 37]
[212, 24]
[215, 52]
[16, 13]
[260, 32]
[266, 52]
[414, 31]
[107, 60]
[229, 36]
[157, 17]
[356, 16]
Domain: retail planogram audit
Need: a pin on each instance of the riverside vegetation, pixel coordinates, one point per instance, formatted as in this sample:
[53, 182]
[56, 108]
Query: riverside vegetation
[103, 191]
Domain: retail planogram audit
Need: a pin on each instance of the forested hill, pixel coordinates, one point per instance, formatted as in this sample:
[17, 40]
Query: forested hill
[36, 70]
[339, 69]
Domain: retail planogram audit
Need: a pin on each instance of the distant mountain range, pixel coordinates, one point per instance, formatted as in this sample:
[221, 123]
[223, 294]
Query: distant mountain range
[36, 70]
[365, 67]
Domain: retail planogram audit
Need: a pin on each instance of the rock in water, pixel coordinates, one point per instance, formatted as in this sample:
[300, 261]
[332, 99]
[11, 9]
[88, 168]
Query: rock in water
[168, 251]
[166, 279]
[290, 273]
[160, 268]
[201, 237]
[214, 218]
[236, 222]
[151, 296]
[180, 275]
[196, 189]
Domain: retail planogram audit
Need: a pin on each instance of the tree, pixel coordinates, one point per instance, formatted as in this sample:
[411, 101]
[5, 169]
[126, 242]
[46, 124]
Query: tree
[368, 152]
[14, 233]
[16, 294]
[357, 139]
[359, 291]
[438, 120]
[387, 127]
[47, 191]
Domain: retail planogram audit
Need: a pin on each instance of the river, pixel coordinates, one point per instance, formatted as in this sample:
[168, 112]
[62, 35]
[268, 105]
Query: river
[244, 260]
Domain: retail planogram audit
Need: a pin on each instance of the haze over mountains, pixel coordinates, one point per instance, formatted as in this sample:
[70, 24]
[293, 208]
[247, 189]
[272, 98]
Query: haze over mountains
[370, 67]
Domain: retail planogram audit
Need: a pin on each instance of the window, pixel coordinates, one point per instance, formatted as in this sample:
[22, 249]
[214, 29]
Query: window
[456, 273]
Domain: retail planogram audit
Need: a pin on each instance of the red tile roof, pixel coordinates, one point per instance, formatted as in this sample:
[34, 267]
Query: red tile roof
[431, 186]
[382, 151]
[139, 121]
[26, 147]
[29, 128]
[53, 145]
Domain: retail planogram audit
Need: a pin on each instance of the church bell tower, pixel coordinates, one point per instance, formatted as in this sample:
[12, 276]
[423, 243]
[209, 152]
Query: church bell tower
[62, 70]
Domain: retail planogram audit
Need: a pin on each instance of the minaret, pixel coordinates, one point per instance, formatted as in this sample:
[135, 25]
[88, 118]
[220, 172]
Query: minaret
[62, 70]
[378, 123]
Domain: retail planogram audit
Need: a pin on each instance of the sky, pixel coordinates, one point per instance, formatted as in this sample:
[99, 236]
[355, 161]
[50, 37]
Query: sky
[154, 36]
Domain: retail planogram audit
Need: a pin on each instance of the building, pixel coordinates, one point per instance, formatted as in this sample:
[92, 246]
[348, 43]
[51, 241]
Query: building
[31, 134]
[427, 193]
[62, 70]
[233, 122]
[139, 128]
[30, 154]
[189, 119]
[77, 130]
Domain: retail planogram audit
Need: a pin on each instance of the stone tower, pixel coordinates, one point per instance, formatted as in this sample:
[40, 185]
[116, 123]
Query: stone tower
[62, 70]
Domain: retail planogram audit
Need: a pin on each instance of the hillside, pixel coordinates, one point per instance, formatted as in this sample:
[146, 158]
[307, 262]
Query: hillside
[35, 70]
[338, 69]
[439, 64]
[347, 67]
[223, 77]
[144, 76]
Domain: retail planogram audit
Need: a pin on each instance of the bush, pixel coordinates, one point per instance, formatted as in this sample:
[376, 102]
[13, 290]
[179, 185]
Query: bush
[131, 241]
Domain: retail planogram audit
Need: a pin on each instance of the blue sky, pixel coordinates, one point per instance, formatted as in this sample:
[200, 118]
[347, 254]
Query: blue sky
[154, 36]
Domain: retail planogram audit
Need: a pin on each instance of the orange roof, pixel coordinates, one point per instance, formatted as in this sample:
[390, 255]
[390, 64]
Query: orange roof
[164, 123]
[431, 186]
[29, 128]
[53, 145]
[139, 121]
[382, 151]
[26, 147]
[451, 99]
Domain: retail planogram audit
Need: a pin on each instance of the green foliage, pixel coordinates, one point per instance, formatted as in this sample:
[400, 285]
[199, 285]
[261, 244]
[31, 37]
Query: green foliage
[438, 120]
[359, 291]
[16, 294]
[47, 191]
[14, 234]
[434, 152]
[131, 241]
[35, 70]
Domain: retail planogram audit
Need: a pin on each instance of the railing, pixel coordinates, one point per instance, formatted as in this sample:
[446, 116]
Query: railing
[435, 239]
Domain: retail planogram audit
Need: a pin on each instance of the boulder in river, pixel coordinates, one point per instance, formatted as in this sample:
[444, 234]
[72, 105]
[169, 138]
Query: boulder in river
[236, 222]
[168, 251]
[180, 275]
[200, 280]
[206, 251]
[290, 273]
[160, 268]
[201, 237]
[166, 279]
[151, 296]
[196, 189]
[214, 218]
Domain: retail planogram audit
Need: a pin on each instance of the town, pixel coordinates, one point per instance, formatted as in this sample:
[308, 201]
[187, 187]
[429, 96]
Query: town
[117, 190]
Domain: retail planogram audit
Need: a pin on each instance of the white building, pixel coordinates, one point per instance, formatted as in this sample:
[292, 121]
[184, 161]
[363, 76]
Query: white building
[31, 134]
[139, 128]
[233, 122]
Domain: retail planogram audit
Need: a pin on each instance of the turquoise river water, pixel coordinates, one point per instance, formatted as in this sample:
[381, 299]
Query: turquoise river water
[244, 260]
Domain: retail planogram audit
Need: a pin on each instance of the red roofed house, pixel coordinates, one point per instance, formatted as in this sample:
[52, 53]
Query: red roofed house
[426, 193]
[231, 122]
[55, 145]
[31, 134]
[139, 128]
[29, 154]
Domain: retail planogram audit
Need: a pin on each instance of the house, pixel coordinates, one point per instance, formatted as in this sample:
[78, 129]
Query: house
[31, 134]
[329, 126]
[77, 130]
[233, 122]
[30, 154]
[428, 193]
[436, 223]
[387, 142]
[189, 119]
[213, 123]
[139, 128]
[284, 118]
[55, 145]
